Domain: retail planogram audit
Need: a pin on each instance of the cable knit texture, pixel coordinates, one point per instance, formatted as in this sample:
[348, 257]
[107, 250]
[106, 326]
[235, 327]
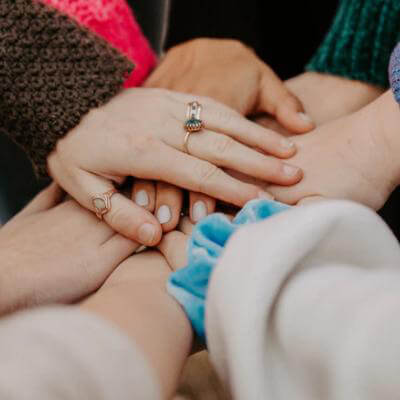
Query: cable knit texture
[394, 73]
[113, 21]
[360, 42]
[52, 72]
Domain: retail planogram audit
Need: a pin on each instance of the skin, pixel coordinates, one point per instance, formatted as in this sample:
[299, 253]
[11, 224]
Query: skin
[354, 157]
[154, 321]
[56, 252]
[230, 72]
[140, 133]
[209, 67]
[326, 97]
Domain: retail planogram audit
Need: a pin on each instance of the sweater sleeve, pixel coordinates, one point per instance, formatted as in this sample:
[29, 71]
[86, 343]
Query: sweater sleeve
[360, 41]
[52, 73]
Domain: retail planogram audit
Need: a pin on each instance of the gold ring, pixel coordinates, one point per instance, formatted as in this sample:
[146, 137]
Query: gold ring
[102, 203]
[186, 141]
[193, 122]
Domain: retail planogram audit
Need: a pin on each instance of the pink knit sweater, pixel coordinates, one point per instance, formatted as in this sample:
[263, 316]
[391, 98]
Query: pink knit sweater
[114, 21]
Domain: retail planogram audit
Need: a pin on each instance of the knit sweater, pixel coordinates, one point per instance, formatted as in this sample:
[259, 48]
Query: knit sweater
[53, 71]
[360, 41]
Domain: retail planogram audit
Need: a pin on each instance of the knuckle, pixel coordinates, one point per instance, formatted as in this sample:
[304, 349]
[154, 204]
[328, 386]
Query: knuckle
[119, 219]
[223, 145]
[236, 45]
[204, 173]
[51, 162]
[140, 145]
[225, 116]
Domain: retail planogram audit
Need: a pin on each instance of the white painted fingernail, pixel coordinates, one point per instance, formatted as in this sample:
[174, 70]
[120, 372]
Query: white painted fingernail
[164, 214]
[305, 117]
[142, 198]
[265, 196]
[289, 170]
[199, 211]
[287, 144]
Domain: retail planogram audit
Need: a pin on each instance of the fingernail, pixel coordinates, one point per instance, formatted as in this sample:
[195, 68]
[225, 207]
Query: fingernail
[265, 196]
[141, 198]
[305, 117]
[147, 233]
[287, 144]
[199, 211]
[164, 214]
[289, 170]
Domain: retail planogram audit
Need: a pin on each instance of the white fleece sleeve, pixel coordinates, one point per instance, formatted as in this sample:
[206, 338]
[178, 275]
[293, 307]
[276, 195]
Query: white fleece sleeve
[64, 353]
[306, 306]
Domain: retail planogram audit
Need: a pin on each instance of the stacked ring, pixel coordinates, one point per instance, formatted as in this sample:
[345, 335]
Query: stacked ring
[102, 203]
[193, 122]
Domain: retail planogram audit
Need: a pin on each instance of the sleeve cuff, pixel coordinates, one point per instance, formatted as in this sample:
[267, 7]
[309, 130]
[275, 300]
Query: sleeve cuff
[360, 41]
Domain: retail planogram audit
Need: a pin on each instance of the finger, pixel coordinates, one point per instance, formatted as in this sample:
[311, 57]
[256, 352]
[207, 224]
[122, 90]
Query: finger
[77, 217]
[311, 199]
[125, 217]
[144, 194]
[220, 118]
[269, 122]
[223, 151]
[110, 256]
[173, 248]
[200, 206]
[46, 199]
[186, 226]
[197, 175]
[116, 249]
[276, 99]
[168, 205]
[223, 120]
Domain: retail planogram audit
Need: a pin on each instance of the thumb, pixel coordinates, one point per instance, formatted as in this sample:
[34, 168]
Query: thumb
[277, 100]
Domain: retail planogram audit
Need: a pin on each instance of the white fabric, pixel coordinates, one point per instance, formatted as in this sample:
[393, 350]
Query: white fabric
[303, 306]
[306, 305]
[62, 353]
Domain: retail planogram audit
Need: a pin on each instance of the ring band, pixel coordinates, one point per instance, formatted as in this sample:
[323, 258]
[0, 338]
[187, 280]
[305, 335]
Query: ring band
[102, 203]
[186, 140]
[193, 122]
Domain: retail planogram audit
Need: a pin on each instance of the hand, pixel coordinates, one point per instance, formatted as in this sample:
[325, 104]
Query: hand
[326, 97]
[350, 158]
[140, 133]
[56, 253]
[230, 72]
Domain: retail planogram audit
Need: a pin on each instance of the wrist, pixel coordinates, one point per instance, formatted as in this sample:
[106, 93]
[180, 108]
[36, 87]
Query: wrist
[327, 97]
[387, 116]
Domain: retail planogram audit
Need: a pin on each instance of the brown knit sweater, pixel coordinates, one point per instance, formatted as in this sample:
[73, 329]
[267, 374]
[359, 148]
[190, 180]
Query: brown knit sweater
[52, 72]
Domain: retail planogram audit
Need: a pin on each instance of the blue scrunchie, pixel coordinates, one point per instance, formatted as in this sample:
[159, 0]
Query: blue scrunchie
[189, 285]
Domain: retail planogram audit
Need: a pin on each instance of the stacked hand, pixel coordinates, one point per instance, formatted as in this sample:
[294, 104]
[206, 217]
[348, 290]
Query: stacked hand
[339, 159]
[231, 73]
[141, 133]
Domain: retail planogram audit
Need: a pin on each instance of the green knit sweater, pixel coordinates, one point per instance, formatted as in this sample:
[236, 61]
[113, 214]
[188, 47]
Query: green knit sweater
[360, 41]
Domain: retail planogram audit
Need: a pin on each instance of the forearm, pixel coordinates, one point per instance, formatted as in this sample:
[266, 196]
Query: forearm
[144, 311]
